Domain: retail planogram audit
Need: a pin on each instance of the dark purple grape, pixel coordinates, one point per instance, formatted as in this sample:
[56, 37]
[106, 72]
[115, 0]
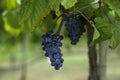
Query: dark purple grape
[46, 54]
[51, 45]
[57, 56]
[75, 27]
[62, 60]
[58, 64]
[52, 63]
[52, 59]
[57, 61]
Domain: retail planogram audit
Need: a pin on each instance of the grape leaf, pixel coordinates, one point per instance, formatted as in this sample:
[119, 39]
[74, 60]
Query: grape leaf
[103, 10]
[11, 4]
[85, 7]
[13, 31]
[54, 4]
[104, 29]
[34, 11]
[47, 24]
[115, 5]
[115, 40]
[68, 3]
[12, 18]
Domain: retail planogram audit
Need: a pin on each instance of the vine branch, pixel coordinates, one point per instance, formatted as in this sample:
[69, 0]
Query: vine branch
[60, 27]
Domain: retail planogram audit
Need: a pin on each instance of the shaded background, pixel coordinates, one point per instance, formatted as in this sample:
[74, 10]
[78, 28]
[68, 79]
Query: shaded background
[22, 58]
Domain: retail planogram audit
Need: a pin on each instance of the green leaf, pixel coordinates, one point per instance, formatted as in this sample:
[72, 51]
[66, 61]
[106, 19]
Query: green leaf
[12, 18]
[85, 7]
[103, 10]
[47, 24]
[115, 40]
[104, 29]
[2, 4]
[115, 5]
[54, 4]
[11, 23]
[68, 3]
[34, 11]
[82, 4]
[11, 4]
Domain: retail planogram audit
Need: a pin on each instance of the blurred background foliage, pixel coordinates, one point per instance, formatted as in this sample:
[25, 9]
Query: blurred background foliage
[21, 55]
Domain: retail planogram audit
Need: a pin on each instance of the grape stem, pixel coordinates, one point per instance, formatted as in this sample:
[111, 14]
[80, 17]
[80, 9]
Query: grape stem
[56, 21]
[60, 27]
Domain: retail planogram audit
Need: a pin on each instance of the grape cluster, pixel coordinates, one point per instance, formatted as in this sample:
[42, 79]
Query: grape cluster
[75, 27]
[51, 45]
